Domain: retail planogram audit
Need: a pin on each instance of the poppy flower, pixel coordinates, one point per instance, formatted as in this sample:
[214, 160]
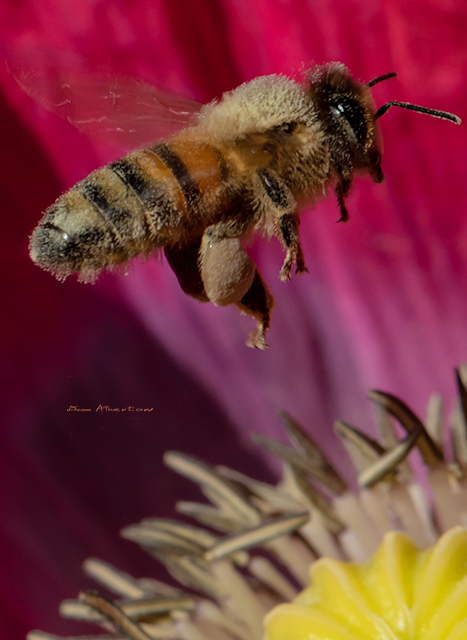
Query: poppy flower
[383, 304]
[354, 589]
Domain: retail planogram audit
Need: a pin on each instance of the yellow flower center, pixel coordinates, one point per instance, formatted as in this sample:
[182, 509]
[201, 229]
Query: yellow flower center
[401, 592]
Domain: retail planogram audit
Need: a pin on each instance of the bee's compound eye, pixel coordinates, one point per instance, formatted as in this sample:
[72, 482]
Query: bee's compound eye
[345, 107]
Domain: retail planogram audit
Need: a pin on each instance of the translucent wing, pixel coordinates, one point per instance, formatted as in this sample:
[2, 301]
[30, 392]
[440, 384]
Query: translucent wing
[123, 111]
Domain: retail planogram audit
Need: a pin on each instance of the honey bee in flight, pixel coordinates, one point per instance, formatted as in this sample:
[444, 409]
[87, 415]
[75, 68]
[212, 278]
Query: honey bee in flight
[249, 161]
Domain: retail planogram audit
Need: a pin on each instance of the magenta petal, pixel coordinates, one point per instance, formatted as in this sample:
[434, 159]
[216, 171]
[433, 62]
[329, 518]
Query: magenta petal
[384, 303]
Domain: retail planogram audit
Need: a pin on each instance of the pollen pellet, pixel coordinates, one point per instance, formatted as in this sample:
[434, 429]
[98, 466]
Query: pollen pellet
[227, 271]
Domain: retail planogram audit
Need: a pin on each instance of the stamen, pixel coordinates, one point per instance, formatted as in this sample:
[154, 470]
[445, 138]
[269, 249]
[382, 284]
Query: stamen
[115, 580]
[114, 614]
[257, 536]
[298, 460]
[312, 513]
[218, 488]
[389, 461]
[432, 455]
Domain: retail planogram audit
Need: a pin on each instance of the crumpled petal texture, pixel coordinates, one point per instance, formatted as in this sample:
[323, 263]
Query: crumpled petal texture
[401, 592]
[383, 304]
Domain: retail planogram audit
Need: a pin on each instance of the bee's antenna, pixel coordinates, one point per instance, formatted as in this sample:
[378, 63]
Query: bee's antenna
[444, 115]
[379, 79]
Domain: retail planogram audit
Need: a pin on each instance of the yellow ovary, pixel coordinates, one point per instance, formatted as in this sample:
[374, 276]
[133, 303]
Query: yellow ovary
[400, 593]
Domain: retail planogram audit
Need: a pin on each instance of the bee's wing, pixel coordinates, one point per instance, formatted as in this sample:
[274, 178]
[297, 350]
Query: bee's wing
[123, 111]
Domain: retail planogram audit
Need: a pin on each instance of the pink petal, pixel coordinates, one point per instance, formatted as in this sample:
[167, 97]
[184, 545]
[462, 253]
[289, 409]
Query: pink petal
[383, 305]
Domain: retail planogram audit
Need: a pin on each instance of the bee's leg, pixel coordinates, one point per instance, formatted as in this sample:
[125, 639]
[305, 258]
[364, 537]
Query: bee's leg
[184, 263]
[288, 228]
[226, 269]
[258, 302]
[230, 276]
[342, 191]
[279, 205]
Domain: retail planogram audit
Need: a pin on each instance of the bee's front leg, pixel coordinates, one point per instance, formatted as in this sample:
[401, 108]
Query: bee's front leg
[342, 189]
[288, 228]
[279, 206]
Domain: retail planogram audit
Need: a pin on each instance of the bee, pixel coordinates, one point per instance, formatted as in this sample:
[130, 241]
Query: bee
[249, 161]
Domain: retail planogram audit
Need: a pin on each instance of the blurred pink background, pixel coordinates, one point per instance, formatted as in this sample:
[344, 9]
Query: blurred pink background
[383, 305]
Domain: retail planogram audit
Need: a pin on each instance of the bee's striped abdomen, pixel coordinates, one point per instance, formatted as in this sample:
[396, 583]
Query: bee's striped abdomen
[201, 173]
[165, 194]
[159, 209]
[188, 185]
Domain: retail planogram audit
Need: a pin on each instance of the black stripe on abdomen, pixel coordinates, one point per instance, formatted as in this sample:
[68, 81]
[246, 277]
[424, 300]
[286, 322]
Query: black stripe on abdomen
[51, 225]
[151, 193]
[119, 217]
[180, 172]
[147, 189]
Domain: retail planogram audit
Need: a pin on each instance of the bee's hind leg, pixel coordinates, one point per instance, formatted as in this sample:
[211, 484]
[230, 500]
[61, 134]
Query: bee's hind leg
[223, 273]
[184, 263]
[230, 277]
[259, 303]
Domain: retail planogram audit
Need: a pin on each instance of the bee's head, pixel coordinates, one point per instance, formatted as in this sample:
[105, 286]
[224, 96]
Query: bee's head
[348, 114]
[346, 110]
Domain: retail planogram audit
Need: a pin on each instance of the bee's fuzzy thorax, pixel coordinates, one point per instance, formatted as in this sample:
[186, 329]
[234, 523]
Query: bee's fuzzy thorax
[261, 104]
